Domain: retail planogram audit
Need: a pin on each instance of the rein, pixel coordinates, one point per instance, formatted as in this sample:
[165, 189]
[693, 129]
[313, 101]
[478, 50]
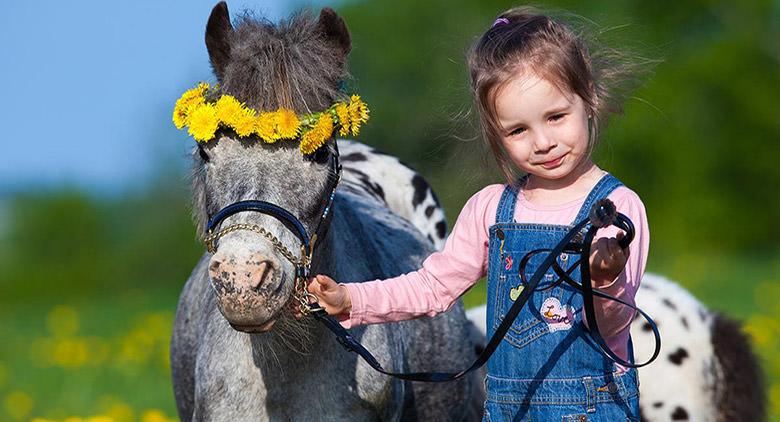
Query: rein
[302, 263]
[602, 214]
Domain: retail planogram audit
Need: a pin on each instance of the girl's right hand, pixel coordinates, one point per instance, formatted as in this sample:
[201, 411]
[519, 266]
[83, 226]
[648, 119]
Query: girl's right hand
[332, 296]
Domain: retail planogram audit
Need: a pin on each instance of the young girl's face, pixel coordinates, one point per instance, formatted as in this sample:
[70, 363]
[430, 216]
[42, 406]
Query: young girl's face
[544, 130]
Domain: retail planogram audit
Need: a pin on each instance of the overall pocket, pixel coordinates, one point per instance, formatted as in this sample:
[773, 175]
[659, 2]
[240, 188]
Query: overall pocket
[541, 309]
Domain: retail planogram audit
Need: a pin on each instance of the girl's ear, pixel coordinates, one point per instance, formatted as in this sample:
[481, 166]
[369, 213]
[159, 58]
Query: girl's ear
[335, 30]
[218, 31]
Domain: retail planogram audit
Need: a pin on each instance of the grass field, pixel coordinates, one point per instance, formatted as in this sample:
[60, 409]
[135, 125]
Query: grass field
[105, 357]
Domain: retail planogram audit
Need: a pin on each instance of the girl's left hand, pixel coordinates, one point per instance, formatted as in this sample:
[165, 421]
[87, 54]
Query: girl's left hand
[607, 259]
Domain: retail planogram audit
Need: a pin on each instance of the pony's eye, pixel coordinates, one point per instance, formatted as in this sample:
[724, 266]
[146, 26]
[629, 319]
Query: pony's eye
[320, 155]
[203, 155]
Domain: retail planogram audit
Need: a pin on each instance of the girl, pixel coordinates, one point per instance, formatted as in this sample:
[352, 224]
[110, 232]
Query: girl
[540, 99]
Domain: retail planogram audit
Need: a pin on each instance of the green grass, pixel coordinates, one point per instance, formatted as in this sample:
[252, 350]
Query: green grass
[101, 355]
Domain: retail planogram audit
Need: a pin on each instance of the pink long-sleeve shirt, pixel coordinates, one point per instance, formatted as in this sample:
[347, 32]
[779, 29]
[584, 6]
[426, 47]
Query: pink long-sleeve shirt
[447, 274]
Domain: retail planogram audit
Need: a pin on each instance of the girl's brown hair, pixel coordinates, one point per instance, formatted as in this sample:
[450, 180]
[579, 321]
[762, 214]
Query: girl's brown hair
[524, 40]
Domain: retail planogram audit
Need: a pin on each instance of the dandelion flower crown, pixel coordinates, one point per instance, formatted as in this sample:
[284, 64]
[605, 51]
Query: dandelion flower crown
[203, 116]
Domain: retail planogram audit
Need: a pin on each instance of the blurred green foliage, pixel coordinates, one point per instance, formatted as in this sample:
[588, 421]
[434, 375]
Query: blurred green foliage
[698, 141]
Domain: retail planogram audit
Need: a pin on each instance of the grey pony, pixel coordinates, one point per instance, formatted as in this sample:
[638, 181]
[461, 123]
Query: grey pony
[237, 353]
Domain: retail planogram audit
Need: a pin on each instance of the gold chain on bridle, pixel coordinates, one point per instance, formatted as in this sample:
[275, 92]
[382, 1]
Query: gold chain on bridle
[301, 294]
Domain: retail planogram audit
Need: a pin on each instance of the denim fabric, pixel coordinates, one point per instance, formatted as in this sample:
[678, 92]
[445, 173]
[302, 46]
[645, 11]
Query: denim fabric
[547, 368]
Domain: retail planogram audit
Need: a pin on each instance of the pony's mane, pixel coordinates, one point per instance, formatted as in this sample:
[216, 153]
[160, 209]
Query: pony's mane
[289, 64]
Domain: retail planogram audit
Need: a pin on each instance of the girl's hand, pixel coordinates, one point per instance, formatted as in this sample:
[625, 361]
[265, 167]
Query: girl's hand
[607, 260]
[332, 296]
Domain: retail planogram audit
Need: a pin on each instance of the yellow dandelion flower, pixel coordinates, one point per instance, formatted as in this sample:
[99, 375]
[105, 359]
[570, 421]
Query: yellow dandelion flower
[229, 110]
[182, 109]
[265, 127]
[287, 123]
[244, 122]
[342, 114]
[203, 122]
[190, 97]
[358, 113]
[18, 404]
[317, 136]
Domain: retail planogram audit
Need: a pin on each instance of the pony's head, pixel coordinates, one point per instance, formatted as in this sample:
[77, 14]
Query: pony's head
[296, 64]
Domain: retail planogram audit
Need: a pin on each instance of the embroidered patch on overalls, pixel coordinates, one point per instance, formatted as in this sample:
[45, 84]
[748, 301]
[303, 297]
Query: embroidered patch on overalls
[514, 292]
[557, 316]
[508, 263]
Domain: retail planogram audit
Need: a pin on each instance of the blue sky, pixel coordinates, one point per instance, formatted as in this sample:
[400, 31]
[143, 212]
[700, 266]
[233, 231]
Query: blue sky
[90, 85]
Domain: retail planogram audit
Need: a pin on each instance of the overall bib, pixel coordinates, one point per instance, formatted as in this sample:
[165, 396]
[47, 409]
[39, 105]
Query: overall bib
[547, 368]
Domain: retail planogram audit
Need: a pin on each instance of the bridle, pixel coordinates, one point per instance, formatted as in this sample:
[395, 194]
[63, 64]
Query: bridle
[302, 262]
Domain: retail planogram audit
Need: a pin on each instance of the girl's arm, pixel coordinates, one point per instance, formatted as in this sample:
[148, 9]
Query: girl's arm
[612, 316]
[432, 289]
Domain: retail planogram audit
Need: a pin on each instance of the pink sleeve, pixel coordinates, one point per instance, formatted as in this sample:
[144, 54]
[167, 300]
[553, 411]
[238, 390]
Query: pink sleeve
[612, 316]
[443, 278]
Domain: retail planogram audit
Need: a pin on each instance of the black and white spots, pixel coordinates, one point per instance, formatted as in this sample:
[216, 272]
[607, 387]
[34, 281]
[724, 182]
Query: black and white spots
[678, 356]
[673, 384]
[704, 357]
[403, 190]
[680, 414]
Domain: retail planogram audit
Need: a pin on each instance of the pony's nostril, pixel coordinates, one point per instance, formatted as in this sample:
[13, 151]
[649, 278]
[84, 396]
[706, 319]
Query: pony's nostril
[263, 274]
[214, 268]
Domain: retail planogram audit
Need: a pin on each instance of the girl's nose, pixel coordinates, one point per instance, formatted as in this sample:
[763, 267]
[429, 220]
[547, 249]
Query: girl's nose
[543, 142]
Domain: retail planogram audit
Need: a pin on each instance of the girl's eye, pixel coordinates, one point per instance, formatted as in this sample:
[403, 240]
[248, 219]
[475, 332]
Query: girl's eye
[556, 117]
[517, 131]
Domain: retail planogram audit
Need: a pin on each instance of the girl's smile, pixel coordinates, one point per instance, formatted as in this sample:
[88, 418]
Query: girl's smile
[553, 163]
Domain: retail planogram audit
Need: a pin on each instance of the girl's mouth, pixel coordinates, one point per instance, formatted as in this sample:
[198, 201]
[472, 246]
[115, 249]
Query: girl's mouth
[554, 163]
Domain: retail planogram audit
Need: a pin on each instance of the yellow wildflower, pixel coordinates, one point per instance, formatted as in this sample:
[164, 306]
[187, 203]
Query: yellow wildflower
[287, 123]
[18, 404]
[63, 321]
[229, 110]
[244, 122]
[190, 97]
[342, 114]
[203, 122]
[317, 136]
[358, 113]
[204, 117]
[265, 127]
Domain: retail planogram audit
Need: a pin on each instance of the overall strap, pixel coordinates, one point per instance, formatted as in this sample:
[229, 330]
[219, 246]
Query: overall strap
[506, 206]
[603, 188]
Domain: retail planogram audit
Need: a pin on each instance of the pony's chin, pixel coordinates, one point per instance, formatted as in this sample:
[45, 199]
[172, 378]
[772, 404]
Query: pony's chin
[260, 328]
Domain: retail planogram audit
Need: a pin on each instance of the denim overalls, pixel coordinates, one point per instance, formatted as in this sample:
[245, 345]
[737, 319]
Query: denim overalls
[547, 368]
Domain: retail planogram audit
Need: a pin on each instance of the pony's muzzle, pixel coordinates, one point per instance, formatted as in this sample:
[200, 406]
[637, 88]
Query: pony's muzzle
[232, 274]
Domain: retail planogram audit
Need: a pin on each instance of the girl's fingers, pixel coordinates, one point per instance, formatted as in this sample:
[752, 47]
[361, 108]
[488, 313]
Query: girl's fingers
[613, 248]
[326, 283]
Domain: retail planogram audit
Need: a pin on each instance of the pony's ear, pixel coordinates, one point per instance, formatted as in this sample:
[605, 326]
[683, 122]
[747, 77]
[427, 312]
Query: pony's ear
[335, 30]
[218, 31]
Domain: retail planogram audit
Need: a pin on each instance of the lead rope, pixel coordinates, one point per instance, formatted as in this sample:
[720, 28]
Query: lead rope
[602, 215]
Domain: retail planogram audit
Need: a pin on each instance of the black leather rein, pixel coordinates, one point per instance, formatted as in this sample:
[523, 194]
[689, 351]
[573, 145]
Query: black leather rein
[603, 214]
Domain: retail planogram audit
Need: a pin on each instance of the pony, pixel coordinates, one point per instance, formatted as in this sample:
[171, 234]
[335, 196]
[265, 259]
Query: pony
[237, 352]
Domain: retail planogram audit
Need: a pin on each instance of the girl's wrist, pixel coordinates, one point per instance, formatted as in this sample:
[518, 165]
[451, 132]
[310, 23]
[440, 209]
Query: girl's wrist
[347, 307]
